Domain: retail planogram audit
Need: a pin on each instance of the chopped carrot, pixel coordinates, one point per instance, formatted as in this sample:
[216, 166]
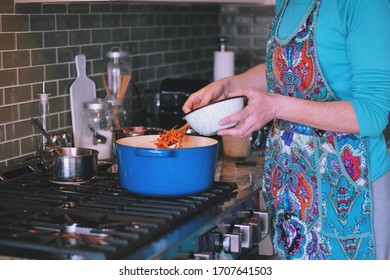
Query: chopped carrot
[169, 138]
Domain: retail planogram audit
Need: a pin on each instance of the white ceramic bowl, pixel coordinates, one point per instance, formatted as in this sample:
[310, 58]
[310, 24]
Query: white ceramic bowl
[204, 120]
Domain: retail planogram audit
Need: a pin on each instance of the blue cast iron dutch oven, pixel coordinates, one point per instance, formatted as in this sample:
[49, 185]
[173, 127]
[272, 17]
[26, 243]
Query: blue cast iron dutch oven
[147, 170]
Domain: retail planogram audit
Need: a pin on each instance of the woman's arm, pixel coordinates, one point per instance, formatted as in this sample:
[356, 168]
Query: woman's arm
[253, 78]
[263, 107]
[366, 111]
[338, 116]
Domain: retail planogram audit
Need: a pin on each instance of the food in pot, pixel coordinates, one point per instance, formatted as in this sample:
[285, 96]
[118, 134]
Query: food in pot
[136, 131]
[170, 139]
[139, 130]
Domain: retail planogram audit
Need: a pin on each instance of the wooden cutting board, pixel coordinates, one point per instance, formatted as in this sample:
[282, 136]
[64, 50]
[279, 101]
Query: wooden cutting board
[83, 89]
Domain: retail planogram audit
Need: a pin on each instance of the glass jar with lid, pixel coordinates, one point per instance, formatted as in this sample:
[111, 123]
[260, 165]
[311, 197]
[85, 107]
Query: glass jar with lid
[118, 73]
[96, 132]
[118, 113]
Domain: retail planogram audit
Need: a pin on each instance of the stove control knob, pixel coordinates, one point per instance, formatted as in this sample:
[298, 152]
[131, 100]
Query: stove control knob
[264, 220]
[211, 241]
[203, 256]
[232, 241]
[258, 219]
[246, 235]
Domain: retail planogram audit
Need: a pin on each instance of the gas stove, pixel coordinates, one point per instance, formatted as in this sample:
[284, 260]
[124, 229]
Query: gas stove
[101, 220]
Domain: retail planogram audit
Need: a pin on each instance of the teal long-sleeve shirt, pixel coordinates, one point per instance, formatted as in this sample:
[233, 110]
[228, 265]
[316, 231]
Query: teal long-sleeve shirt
[353, 44]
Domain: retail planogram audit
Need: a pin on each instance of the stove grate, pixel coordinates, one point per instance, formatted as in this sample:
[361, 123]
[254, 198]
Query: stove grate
[98, 220]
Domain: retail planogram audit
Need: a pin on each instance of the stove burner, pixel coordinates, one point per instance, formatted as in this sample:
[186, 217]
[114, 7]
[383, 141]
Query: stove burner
[97, 220]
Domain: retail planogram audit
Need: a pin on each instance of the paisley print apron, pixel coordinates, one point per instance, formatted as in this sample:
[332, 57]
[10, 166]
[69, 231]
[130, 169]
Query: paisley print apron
[316, 183]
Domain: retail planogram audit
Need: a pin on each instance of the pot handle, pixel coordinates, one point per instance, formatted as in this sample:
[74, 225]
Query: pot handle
[154, 152]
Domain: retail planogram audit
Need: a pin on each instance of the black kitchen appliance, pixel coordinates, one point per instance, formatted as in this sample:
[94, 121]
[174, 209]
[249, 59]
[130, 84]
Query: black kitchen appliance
[173, 94]
[101, 220]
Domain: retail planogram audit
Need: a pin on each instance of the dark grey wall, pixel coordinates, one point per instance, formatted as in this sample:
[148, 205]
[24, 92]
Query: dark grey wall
[38, 42]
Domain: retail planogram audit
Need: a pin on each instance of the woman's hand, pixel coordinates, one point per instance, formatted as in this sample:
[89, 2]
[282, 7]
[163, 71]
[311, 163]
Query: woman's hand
[258, 112]
[251, 84]
[253, 78]
[210, 93]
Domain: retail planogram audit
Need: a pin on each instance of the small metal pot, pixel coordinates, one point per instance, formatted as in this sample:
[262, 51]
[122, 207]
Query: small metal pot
[76, 165]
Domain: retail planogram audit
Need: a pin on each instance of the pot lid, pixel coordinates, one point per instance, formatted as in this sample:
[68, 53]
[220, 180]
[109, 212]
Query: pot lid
[116, 52]
[96, 105]
[114, 101]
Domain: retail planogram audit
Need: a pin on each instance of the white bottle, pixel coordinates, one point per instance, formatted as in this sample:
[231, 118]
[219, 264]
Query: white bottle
[223, 61]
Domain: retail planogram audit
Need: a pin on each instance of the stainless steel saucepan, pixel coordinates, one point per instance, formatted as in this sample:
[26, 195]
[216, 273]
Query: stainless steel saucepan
[74, 166]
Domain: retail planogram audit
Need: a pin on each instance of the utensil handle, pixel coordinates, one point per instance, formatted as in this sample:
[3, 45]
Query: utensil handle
[37, 124]
[154, 153]
[81, 65]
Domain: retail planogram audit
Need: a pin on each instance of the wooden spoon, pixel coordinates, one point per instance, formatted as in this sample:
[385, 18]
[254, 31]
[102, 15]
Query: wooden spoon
[165, 139]
[183, 129]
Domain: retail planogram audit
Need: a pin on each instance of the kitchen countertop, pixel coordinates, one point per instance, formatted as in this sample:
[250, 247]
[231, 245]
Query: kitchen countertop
[246, 172]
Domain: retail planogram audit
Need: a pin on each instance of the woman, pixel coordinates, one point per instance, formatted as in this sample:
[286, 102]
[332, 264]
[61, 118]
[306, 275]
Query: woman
[326, 85]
